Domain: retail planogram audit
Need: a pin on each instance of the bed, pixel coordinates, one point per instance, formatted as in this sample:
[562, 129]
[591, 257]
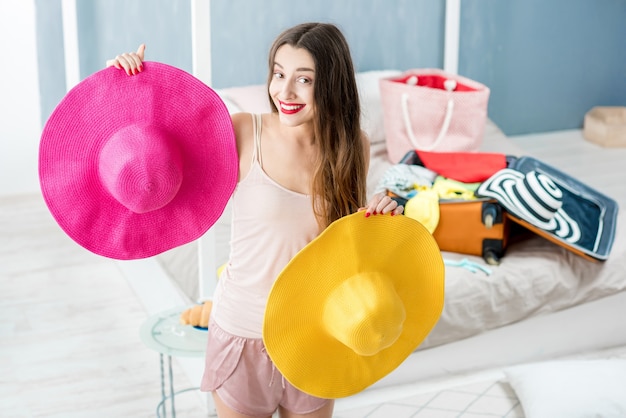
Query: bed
[541, 301]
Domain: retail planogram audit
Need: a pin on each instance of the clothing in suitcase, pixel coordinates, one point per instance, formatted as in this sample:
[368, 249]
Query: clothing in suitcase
[477, 226]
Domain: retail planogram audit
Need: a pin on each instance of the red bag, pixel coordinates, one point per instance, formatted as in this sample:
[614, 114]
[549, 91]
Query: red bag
[432, 110]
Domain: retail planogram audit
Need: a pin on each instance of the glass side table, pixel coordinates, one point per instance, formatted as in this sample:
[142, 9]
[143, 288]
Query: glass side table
[163, 333]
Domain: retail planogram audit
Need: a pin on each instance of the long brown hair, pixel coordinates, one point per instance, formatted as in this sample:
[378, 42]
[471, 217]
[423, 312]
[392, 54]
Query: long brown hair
[339, 180]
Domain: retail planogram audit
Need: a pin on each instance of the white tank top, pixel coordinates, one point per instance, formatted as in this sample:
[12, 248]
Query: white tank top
[270, 224]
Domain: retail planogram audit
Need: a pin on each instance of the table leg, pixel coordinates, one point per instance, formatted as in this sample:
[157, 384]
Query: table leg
[169, 358]
[162, 387]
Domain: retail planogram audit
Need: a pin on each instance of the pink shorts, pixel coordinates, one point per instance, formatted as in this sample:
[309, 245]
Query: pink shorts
[243, 376]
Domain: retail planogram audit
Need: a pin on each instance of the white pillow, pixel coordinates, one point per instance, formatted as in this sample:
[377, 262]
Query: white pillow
[251, 99]
[230, 105]
[371, 109]
[571, 388]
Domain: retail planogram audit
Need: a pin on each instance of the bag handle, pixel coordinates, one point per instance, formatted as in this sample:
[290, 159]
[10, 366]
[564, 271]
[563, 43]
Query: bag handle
[449, 85]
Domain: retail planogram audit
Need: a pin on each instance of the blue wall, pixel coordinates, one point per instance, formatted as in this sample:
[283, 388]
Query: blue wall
[107, 28]
[50, 55]
[110, 27]
[382, 34]
[546, 62]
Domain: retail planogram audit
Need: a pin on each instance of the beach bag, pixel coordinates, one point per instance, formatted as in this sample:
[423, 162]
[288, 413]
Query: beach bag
[432, 110]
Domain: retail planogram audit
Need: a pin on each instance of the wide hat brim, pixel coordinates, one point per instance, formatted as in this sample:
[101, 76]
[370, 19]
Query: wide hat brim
[585, 222]
[190, 113]
[308, 357]
[501, 187]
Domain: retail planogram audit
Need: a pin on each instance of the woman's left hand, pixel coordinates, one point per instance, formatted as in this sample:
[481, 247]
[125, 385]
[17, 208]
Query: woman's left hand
[381, 204]
[131, 62]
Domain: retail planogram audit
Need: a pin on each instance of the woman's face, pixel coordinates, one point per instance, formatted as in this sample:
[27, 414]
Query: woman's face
[292, 83]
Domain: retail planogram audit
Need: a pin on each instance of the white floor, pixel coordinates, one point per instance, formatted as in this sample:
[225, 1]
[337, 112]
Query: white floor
[69, 321]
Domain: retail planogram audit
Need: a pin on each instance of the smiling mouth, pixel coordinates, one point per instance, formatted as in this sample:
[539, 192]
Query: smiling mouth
[290, 108]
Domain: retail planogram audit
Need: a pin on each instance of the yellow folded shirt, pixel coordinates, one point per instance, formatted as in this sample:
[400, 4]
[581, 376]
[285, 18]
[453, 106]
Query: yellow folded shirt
[424, 207]
[452, 189]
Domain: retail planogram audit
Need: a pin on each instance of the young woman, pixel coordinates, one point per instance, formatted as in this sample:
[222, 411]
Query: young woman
[301, 167]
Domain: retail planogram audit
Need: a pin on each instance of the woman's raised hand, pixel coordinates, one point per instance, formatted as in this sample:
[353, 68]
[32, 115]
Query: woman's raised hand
[381, 204]
[131, 62]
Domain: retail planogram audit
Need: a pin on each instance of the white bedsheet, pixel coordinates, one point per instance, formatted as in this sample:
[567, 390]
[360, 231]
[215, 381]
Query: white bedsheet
[535, 276]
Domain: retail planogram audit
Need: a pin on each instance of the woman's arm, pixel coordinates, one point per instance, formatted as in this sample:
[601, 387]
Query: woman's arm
[242, 123]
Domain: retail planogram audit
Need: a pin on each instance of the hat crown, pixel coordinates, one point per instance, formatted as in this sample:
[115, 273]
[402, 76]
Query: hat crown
[538, 194]
[141, 168]
[364, 313]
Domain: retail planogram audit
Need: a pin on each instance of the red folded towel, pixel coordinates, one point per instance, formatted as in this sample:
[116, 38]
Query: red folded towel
[466, 167]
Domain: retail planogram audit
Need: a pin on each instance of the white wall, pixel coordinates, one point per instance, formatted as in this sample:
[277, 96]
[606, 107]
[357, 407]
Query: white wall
[20, 124]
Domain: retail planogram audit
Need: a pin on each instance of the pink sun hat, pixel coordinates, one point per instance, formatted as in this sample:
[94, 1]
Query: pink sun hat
[132, 166]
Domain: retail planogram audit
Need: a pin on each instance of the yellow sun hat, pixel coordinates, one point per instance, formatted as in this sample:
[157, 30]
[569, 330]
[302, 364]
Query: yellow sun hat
[354, 303]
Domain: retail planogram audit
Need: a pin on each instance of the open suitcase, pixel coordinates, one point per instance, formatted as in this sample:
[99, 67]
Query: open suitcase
[474, 227]
[520, 191]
